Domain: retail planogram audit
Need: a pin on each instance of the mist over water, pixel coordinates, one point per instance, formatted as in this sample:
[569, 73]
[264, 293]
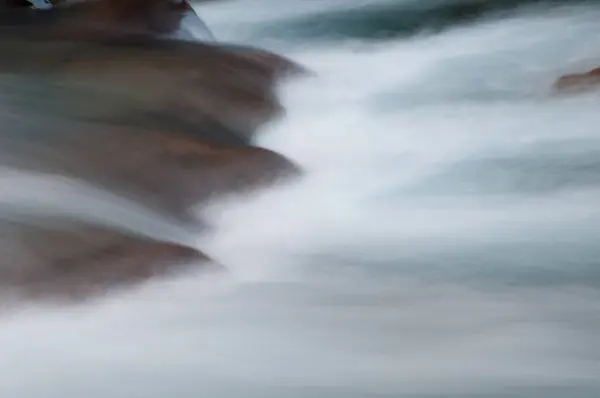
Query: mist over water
[443, 242]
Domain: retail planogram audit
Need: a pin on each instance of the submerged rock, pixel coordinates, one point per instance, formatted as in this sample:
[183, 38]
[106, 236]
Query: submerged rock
[578, 82]
[45, 258]
[165, 122]
[139, 16]
[167, 172]
[115, 52]
[150, 82]
[105, 59]
[92, 92]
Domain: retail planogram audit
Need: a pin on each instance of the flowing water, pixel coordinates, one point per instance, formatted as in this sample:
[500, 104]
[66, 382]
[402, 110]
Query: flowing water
[443, 242]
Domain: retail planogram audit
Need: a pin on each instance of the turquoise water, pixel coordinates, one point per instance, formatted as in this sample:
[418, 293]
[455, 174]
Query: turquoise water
[444, 242]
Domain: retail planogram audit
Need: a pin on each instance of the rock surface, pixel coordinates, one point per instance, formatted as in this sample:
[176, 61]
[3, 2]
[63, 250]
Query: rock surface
[578, 82]
[71, 260]
[149, 82]
[93, 93]
[157, 16]
[167, 172]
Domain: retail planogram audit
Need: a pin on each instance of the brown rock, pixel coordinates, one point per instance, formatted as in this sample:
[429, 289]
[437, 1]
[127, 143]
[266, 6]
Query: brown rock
[102, 59]
[153, 15]
[581, 81]
[134, 16]
[72, 260]
[163, 122]
[149, 82]
[167, 172]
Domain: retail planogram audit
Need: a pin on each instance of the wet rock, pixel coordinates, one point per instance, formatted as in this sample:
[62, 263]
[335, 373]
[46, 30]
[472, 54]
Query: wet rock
[105, 59]
[161, 16]
[167, 172]
[101, 98]
[157, 16]
[277, 65]
[167, 123]
[108, 18]
[578, 82]
[51, 258]
[157, 82]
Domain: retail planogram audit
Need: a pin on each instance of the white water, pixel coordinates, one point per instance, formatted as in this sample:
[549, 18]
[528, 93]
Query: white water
[369, 278]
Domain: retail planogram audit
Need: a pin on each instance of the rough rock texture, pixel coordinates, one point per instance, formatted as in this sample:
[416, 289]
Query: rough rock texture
[577, 82]
[68, 259]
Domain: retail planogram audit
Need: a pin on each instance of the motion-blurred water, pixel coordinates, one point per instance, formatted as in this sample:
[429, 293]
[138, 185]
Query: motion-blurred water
[444, 242]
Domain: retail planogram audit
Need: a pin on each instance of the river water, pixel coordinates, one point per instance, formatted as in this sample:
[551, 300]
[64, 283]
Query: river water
[443, 242]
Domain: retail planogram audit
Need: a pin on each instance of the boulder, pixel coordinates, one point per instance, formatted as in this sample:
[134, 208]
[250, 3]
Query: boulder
[147, 82]
[139, 16]
[166, 123]
[62, 259]
[94, 93]
[166, 172]
[577, 82]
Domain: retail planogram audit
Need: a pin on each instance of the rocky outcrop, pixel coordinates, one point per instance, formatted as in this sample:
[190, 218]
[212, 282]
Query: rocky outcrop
[96, 95]
[118, 113]
[156, 16]
[148, 82]
[167, 172]
[63, 259]
[580, 81]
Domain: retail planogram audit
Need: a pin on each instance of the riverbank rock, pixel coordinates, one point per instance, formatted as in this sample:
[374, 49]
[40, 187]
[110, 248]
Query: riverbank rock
[105, 59]
[167, 123]
[167, 172]
[61, 259]
[157, 16]
[102, 99]
[579, 82]
[156, 83]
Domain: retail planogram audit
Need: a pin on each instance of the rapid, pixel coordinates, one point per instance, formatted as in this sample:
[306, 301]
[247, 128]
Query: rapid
[443, 241]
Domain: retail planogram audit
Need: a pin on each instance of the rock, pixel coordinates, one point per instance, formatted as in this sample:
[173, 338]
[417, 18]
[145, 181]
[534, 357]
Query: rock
[160, 16]
[156, 16]
[103, 59]
[167, 172]
[163, 122]
[109, 18]
[101, 98]
[156, 81]
[581, 81]
[61, 259]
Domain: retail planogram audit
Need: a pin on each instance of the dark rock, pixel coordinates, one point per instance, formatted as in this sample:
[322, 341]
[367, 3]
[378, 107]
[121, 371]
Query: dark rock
[578, 82]
[193, 83]
[165, 122]
[156, 16]
[103, 58]
[72, 260]
[167, 172]
[92, 93]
